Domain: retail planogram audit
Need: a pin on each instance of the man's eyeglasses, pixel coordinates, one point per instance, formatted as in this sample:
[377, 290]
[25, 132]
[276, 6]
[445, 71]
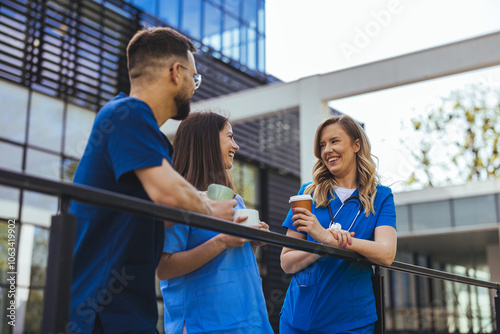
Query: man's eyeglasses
[197, 78]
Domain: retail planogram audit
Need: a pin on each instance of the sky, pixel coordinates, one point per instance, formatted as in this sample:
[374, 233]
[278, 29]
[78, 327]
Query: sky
[319, 36]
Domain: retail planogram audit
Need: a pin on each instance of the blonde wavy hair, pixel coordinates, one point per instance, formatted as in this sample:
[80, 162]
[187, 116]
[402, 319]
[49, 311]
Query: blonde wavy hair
[366, 176]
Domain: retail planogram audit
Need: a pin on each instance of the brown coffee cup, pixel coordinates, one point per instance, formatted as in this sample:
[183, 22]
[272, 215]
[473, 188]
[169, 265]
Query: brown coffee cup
[301, 201]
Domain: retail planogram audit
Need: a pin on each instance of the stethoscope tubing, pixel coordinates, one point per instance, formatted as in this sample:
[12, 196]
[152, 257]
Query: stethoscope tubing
[332, 221]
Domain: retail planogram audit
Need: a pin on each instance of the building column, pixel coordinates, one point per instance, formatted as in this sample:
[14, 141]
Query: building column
[493, 258]
[312, 111]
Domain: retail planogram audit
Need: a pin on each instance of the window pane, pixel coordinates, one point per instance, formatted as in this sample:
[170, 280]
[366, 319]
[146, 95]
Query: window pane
[14, 102]
[402, 223]
[212, 27]
[169, 12]
[231, 37]
[45, 129]
[262, 54]
[250, 13]
[9, 202]
[149, 6]
[475, 210]
[431, 215]
[12, 157]
[252, 49]
[246, 180]
[39, 257]
[78, 126]
[38, 208]
[232, 6]
[43, 164]
[261, 27]
[191, 18]
[244, 46]
[34, 311]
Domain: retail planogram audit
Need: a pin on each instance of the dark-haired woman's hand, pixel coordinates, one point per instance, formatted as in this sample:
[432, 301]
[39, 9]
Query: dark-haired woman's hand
[261, 226]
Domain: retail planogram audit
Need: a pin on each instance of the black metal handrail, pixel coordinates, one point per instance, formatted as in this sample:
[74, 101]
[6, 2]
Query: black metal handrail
[94, 196]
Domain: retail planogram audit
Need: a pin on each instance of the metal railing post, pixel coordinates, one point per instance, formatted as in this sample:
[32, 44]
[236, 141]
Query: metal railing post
[497, 310]
[59, 271]
[378, 289]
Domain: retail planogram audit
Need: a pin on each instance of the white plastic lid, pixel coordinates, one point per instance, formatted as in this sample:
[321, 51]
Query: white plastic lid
[300, 198]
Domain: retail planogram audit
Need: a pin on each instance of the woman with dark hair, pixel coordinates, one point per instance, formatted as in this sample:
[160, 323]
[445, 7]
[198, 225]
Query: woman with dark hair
[210, 281]
[351, 210]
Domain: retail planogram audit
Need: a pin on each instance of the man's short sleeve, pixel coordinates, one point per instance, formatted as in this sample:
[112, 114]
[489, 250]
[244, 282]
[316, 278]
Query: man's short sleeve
[135, 140]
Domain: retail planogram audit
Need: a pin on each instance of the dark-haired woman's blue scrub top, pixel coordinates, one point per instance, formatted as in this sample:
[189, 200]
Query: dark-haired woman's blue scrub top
[223, 296]
[333, 295]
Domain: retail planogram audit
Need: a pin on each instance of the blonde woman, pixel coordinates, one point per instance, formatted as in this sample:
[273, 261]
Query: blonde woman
[350, 210]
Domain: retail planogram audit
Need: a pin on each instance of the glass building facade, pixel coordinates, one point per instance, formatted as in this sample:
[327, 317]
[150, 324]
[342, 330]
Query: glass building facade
[234, 30]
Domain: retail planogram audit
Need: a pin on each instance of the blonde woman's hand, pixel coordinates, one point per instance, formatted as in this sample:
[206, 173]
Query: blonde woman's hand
[342, 238]
[305, 221]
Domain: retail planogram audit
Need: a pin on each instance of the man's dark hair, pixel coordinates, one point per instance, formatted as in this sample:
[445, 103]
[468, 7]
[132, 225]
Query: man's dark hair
[148, 47]
[197, 153]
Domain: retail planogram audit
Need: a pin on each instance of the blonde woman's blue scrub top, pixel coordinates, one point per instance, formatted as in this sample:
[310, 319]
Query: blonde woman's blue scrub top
[223, 296]
[334, 295]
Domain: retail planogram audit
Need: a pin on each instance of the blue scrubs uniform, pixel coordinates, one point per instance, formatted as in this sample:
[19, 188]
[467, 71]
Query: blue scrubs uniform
[116, 253]
[334, 295]
[223, 296]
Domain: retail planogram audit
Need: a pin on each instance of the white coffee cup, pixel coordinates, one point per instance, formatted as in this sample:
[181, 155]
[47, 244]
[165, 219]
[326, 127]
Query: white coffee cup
[253, 216]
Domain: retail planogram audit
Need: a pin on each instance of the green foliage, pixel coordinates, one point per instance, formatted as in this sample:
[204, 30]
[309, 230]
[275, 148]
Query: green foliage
[459, 140]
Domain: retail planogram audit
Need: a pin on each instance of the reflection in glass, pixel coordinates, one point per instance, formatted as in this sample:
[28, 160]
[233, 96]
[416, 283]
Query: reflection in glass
[38, 208]
[9, 202]
[78, 126]
[12, 156]
[149, 6]
[402, 223]
[169, 12]
[45, 124]
[14, 102]
[246, 180]
[262, 54]
[250, 13]
[232, 6]
[43, 164]
[34, 311]
[231, 37]
[474, 210]
[191, 18]
[431, 215]
[212, 27]
[252, 49]
[39, 257]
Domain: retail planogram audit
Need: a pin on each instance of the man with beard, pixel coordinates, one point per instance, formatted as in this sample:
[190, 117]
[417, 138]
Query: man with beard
[116, 253]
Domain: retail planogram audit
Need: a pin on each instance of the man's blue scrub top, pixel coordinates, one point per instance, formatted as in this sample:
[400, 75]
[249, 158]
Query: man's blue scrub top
[116, 253]
[334, 295]
[223, 296]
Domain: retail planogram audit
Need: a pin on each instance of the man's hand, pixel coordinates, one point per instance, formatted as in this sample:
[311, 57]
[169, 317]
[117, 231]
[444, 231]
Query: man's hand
[221, 209]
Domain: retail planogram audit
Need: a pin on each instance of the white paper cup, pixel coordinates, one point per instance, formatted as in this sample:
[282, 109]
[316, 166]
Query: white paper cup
[218, 192]
[253, 216]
